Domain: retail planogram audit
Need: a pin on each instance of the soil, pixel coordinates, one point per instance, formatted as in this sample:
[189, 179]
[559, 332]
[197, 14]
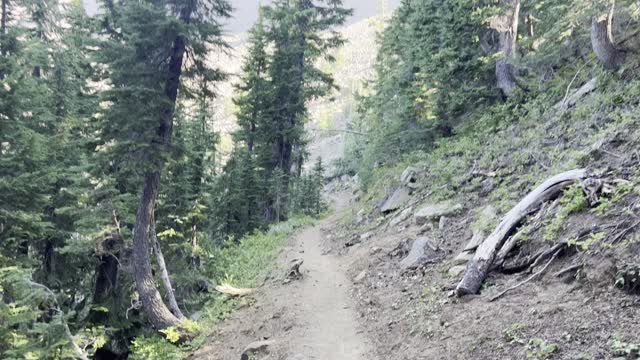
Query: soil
[310, 318]
[356, 302]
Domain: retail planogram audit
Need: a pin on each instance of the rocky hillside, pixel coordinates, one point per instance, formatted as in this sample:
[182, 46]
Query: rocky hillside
[563, 283]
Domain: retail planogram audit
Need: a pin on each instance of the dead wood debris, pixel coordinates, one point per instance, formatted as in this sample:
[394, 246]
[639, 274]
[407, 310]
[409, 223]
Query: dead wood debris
[535, 275]
[293, 273]
[493, 251]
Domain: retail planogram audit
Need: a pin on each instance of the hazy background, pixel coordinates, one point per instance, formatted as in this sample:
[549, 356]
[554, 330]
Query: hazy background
[246, 11]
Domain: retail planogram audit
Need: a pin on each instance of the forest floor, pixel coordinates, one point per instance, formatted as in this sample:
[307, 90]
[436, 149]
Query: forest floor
[310, 318]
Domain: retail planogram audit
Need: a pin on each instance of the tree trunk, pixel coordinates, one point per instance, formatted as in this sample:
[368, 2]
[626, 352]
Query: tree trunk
[152, 303]
[164, 273]
[507, 28]
[479, 266]
[602, 41]
[5, 15]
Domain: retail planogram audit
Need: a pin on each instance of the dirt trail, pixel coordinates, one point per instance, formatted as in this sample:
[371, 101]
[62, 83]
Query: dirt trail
[313, 318]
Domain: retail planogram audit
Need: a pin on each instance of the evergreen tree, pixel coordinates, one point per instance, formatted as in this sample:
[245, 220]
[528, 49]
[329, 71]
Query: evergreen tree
[43, 156]
[301, 32]
[146, 60]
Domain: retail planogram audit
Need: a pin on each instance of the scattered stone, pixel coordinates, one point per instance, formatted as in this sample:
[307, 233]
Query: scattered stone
[467, 253]
[294, 271]
[422, 251]
[354, 240]
[400, 250]
[457, 271]
[360, 216]
[409, 175]
[394, 201]
[360, 277]
[434, 212]
[366, 236]
[486, 186]
[442, 223]
[255, 348]
[374, 250]
[404, 215]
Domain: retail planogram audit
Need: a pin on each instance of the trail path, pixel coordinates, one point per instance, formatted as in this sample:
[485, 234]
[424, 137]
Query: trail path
[313, 318]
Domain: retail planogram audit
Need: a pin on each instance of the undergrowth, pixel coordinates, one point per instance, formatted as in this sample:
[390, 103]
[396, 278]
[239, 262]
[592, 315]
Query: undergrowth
[238, 264]
[521, 142]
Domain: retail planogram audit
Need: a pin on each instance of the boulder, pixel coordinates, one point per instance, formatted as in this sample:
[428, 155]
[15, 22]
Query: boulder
[404, 215]
[434, 212]
[360, 217]
[396, 200]
[422, 252]
[409, 175]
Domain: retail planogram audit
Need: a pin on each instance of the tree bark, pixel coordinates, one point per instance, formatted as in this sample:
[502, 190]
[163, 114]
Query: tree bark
[152, 303]
[5, 15]
[602, 41]
[164, 273]
[507, 28]
[479, 266]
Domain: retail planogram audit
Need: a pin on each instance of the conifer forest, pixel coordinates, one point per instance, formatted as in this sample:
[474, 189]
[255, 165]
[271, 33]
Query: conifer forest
[346, 179]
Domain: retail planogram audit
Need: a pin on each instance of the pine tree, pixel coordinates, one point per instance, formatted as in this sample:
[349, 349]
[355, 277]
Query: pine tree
[301, 32]
[146, 60]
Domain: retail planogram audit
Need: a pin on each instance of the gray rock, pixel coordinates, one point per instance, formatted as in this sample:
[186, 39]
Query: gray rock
[360, 216]
[361, 276]
[366, 236]
[409, 175]
[422, 251]
[397, 198]
[442, 223]
[404, 215]
[469, 250]
[374, 250]
[434, 212]
[457, 270]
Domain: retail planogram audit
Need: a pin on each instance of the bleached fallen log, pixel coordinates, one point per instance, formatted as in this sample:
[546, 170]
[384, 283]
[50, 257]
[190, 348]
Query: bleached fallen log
[479, 266]
[233, 291]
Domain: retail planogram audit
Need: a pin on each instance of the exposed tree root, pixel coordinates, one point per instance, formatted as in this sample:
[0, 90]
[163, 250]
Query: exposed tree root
[568, 269]
[624, 232]
[535, 275]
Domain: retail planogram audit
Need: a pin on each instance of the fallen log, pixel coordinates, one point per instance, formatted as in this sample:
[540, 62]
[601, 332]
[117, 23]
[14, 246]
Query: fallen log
[482, 261]
[233, 291]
